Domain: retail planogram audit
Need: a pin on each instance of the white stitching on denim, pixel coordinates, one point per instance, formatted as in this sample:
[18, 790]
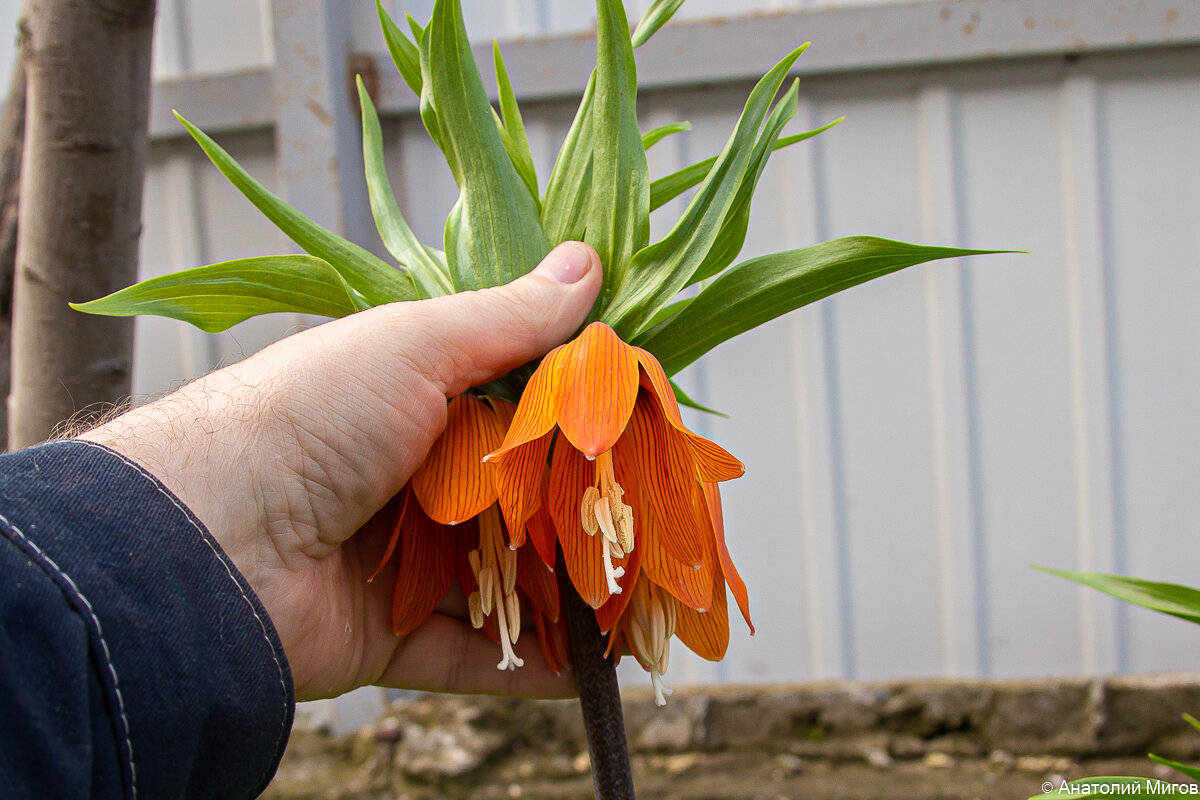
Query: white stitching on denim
[112, 670]
[221, 557]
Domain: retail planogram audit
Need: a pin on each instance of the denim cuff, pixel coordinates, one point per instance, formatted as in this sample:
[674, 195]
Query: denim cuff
[142, 663]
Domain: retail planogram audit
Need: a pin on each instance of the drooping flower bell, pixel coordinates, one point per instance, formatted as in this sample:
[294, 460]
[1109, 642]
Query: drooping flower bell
[450, 525]
[625, 489]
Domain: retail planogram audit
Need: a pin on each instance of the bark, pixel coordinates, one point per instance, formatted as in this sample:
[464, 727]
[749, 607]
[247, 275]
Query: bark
[87, 64]
[12, 142]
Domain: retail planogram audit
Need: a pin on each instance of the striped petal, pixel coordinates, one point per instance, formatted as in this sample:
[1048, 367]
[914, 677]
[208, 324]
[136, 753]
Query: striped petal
[541, 527]
[426, 568]
[658, 456]
[537, 582]
[706, 634]
[712, 496]
[713, 462]
[599, 384]
[537, 412]
[453, 484]
[555, 642]
[519, 476]
[570, 475]
[690, 586]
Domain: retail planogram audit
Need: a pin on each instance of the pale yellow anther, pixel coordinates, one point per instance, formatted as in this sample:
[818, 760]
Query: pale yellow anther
[512, 608]
[475, 606]
[487, 586]
[587, 510]
[651, 627]
[473, 560]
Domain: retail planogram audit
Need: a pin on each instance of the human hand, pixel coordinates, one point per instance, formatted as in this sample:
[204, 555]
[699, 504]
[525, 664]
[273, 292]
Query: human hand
[291, 456]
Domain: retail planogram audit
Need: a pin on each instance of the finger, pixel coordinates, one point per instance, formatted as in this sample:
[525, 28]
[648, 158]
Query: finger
[464, 339]
[448, 655]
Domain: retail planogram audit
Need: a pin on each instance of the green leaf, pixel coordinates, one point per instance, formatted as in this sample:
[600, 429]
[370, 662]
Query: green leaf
[732, 236]
[375, 280]
[659, 271]
[1190, 720]
[218, 296]
[667, 188]
[516, 142]
[564, 209]
[682, 398]
[1186, 769]
[494, 233]
[656, 135]
[761, 289]
[618, 215]
[1167, 598]
[404, 52]
[655, 17]
[428, 274]
[1108, 786]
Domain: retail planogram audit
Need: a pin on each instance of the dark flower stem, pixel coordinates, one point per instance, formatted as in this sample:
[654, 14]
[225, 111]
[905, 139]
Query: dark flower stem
[599, 696]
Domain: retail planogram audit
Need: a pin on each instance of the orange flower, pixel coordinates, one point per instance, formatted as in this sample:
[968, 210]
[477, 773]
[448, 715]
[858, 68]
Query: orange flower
[449, 524]
[626, 490]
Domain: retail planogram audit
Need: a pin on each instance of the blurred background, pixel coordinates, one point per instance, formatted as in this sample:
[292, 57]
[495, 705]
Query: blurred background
[913, 445]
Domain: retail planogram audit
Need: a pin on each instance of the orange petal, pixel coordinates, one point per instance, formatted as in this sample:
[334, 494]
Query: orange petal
[713, 462]
[537, 412]
[519, 476]
[667, 488]
[541, 527]
[570, 475]
[426, 569]
[401, 505]
[537, 582]
[712, 496]
[599, 375]
[691, 586]
[453, 485]
[707, 634]
[555, 642]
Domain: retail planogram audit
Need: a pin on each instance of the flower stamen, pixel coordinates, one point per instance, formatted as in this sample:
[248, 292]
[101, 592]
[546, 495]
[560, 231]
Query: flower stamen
[603, 509]
[651, 626]
[494, 566]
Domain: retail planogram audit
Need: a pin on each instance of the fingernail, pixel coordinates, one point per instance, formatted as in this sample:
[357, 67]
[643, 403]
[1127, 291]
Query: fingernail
[566, 263]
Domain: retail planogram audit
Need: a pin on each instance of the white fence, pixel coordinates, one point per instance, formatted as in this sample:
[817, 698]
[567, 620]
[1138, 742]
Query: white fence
[913, 445]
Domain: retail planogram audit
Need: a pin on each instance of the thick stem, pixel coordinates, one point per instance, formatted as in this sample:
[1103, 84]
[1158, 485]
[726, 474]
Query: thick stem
[599, 697]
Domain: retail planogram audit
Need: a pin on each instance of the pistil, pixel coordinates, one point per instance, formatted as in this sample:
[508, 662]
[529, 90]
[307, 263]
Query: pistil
[494, 566]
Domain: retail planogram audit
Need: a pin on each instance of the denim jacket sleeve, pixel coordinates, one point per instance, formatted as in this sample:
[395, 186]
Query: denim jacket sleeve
[135, 661]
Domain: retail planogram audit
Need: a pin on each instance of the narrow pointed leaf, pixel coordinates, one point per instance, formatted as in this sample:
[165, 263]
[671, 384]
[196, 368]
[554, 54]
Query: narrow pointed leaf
[660, 271]
[404, 52]
[1186, 769]
[375, 280]
[732, 236]
[657, 15]
[517, 142]
[682, 398]
[1106, 786]
[667, 188]
[564, 209]
[656, 135]
[494, 233]
[218, 296]
[761, 289]
[618, 222]
[1167, 598]
[427, 273]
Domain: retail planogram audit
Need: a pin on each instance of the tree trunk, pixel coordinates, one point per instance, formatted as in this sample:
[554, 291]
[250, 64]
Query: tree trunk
[88, 68]
[12, 143]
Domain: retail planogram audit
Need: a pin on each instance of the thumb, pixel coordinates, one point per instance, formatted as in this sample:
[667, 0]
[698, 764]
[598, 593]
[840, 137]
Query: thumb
[465, 339]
